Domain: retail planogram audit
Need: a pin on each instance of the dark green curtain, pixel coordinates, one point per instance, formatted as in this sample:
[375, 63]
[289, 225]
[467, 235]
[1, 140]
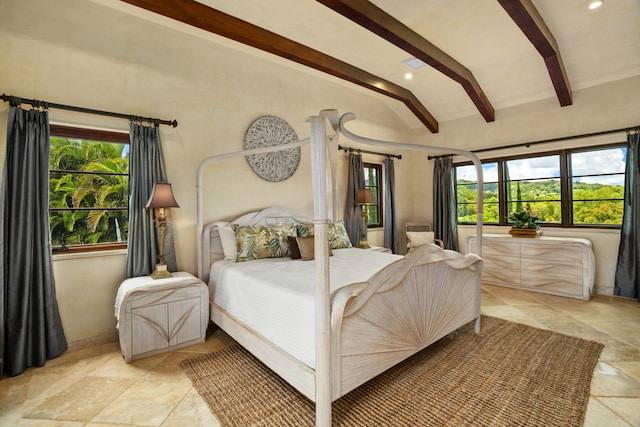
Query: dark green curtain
[352, 212]
[445, 222]
[31, 327]
[390, 230]
[627, 281]
[146, 167]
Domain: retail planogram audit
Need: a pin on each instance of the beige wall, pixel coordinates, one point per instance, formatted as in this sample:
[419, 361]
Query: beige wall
[82, 53]
[98, 57]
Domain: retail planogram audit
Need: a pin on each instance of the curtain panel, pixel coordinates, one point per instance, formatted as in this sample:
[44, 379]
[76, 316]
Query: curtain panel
[445, 222]
[146, 167]
[352, 212]
[627, 279]
[390, 229]
[32, 330]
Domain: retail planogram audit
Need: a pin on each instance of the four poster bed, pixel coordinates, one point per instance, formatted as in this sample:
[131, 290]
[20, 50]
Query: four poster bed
[329, 324]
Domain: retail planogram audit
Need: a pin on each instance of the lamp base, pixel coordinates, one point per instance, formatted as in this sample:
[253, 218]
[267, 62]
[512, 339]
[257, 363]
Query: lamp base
[161, 272]
[364, 244]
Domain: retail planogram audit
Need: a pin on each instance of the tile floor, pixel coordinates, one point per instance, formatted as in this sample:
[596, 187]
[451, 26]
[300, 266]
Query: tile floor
[93, 387]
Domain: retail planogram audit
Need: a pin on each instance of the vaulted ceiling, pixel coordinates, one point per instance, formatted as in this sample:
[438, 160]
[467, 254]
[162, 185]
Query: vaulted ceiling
[480, 55]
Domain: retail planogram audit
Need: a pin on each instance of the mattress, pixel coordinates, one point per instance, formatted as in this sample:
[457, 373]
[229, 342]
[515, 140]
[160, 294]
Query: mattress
[275, 296]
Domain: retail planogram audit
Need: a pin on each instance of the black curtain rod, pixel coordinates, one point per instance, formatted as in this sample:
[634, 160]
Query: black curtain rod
[546, 141]
[14, 100]
[357, 150]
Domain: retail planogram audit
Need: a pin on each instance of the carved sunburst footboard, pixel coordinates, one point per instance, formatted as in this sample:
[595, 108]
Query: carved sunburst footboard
[405, 307]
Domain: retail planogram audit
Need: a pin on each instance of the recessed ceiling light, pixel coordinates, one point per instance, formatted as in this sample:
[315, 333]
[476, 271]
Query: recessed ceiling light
[408, 76]
[595, 4]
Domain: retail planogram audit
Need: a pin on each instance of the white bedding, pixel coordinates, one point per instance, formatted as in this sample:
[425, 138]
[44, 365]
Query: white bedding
[275, 296]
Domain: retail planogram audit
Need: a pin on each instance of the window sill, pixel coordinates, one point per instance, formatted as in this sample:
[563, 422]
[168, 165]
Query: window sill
[61, 256]
[552, 229]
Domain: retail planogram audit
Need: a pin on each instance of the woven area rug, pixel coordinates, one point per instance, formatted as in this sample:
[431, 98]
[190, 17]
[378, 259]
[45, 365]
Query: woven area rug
[510, 375]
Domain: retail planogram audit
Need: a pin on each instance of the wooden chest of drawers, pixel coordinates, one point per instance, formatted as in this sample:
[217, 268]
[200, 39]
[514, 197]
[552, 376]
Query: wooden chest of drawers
[553, 265]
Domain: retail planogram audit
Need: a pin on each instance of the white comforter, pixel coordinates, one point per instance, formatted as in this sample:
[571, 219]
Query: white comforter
[275, 296]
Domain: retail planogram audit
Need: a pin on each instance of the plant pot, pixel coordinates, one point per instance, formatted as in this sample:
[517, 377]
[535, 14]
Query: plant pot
[525, 232]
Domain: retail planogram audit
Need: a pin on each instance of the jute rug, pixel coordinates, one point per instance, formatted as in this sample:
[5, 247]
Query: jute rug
[510, 375]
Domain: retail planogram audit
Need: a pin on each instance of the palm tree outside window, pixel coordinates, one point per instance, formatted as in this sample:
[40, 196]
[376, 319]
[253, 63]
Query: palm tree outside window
[373, 181]
[88, 189]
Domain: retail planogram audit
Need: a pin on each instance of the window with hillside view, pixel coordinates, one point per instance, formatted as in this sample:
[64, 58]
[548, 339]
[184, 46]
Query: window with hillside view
[467, 184]
[535, 182]
[581, 187]
[88, 189]
[597, 186]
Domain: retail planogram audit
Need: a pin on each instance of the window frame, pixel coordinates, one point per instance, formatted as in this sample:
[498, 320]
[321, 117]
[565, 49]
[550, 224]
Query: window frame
[380, 199]
[566, 179]
[63, 131]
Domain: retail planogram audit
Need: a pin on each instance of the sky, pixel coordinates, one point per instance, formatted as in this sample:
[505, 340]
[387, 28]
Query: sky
[592, 162]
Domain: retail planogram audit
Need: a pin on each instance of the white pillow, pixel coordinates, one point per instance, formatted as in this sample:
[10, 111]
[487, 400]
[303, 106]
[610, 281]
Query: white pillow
[419, 238]
[228, 240]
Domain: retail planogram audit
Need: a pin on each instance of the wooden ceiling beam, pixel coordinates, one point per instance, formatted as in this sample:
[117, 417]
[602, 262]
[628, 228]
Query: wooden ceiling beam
[389, 28]
[201, 16]
[526, 16]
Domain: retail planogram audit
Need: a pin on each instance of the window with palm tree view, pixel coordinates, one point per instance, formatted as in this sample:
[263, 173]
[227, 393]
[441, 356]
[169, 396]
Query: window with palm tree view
[372, 181]
[88, 189]
[569, 188]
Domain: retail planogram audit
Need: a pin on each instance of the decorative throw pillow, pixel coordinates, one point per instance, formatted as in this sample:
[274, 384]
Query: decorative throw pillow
[306, 247]
[305, 230]
[419, 238]
[261, 241]
[338, 237]
[228, 241]
[294, 250]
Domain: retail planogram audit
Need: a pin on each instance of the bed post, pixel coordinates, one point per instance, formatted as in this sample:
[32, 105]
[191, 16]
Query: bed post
[323, 297]
[333, 124]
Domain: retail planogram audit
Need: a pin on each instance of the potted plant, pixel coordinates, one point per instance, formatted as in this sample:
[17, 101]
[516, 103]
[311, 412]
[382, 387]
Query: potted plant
[524, 222]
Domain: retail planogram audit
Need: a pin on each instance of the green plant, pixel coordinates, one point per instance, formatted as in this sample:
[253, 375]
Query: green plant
[524, 218]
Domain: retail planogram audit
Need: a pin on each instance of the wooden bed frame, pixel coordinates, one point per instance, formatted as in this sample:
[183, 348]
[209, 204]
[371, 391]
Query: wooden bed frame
[402, 309]
[364, 328]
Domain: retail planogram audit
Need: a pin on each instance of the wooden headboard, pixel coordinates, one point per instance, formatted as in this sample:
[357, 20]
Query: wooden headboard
[212, 245]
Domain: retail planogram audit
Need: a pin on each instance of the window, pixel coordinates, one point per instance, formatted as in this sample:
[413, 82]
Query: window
[88, 189]
[535, 182]
[597, 186]
[569, 188]
[467, 185]
[372, 181]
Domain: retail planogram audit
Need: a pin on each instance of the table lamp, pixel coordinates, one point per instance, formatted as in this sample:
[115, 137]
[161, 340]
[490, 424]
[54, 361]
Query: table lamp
[160, 199]
[364, 198]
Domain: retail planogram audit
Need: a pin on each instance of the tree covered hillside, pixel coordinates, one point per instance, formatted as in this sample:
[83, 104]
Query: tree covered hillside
[592, 203]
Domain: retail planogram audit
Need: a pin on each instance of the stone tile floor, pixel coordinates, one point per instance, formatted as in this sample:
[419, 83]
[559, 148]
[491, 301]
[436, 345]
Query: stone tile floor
[93, 387]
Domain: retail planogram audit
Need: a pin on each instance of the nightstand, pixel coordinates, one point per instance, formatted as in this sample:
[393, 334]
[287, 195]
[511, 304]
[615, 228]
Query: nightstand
[155, 316]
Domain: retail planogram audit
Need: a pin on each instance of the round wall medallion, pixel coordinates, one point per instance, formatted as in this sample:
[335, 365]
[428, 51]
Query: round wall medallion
[268, 132]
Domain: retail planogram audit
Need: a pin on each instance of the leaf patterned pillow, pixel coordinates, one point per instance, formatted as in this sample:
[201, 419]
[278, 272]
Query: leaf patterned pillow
[261, 241]
[305, 230]
[338, 237]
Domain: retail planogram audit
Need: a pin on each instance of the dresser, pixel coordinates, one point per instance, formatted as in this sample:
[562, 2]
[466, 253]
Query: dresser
[553, 265]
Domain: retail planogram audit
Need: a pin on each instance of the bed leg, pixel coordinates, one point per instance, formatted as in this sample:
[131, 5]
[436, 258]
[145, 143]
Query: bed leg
[477, 327]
